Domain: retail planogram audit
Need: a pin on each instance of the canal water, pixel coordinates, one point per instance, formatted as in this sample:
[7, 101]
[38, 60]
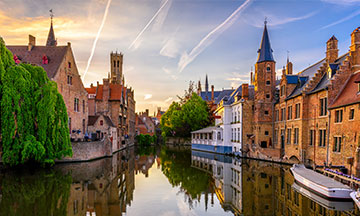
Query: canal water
[163, 181]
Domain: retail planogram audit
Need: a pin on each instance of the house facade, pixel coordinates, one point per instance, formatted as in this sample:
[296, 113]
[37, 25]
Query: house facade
[60, 66]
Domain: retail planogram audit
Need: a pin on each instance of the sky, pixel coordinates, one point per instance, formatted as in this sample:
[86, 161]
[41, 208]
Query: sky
[168, 43]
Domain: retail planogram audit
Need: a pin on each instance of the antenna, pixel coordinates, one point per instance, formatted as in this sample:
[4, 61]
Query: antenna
[287, 60]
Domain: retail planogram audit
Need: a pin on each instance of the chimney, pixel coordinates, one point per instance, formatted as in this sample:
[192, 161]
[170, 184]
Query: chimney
[245, 91]
[355, 50]
[91, 85]
[212, 92]
[97, 83]
[332, 50]
[32, 42]
[147, 112]
[283, 71]
[289, 68]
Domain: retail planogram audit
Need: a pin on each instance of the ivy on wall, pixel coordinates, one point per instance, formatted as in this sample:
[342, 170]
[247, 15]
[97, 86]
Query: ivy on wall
[34, 120]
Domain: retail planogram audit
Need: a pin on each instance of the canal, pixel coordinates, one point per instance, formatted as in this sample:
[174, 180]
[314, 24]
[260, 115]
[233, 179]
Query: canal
[163, 181]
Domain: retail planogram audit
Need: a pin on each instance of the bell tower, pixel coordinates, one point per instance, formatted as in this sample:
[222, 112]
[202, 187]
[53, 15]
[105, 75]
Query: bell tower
[116, 63]
[264, 83]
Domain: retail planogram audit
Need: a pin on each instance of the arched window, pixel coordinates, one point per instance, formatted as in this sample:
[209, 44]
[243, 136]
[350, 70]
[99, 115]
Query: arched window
[101, 122]
[118, 63]
[114, 63]
[268, 69]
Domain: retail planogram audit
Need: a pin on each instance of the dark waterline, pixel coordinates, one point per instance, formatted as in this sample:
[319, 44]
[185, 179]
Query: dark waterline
[161, 181]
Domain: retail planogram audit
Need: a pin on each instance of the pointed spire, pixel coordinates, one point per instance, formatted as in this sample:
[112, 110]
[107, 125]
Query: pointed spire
[206, 84]
[265, 51]
[51, 37]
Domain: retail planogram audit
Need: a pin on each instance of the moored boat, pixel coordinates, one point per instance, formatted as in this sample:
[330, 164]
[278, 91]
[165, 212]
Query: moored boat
[356, 197]
[318, 183]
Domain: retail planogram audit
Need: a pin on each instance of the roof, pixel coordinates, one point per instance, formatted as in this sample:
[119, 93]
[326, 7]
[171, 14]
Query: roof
[93, 119]
[265, 51]
[54, 54]
[238, 91]
[206, 130]
[222, 94]
[349, 94]
[51, 41]
[292, 79]
[91, 90]
[115, 91]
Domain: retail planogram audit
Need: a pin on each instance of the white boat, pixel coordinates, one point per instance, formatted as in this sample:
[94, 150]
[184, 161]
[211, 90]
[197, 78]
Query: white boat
[318, 183]
[354, 195]
[329, 204]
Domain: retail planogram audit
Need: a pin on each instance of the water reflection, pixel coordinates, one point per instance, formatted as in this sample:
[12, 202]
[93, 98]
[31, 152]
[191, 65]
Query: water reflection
[249, 187]
[162, 181]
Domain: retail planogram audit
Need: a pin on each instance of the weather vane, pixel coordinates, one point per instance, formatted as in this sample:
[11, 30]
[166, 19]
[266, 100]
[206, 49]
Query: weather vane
[265, 22]
[51, 13]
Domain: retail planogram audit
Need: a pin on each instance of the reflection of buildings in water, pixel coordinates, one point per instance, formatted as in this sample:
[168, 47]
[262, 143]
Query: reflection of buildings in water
[226, 173]
[259, 188]
[106, 189]
[144, 163]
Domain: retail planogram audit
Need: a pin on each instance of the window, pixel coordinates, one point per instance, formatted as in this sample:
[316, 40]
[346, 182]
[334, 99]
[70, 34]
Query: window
[275, 137]
[266, 133]
[289, 112]
[83, 103]
[322, 138]
[268, 69]
[276, 115]
[70, 124]
[267, 82]
[337, 144]
[76, 104]
[219, 136]
[297, 111]
[296, 136]
[288, 140]
[263, 144]
[282, 91]
[118, 63]
[238, 134]
[114, 63]
[288, 188]
[338, 116]
[101, 122]
[268, 96]
[69, 64]
[296, 198]
[83, 124]
[323, 106]
[266, 112]
[351, 114]
[358, 87]
[283, 114]
[312, 137]
[69, 80]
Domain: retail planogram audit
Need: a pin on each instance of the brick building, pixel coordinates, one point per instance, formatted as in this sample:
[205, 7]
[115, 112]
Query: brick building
[112, 98]
[60, 66]
[144, 124]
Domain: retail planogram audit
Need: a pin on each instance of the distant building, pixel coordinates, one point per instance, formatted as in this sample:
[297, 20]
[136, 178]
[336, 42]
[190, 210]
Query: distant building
[144, 124]
[60, 66]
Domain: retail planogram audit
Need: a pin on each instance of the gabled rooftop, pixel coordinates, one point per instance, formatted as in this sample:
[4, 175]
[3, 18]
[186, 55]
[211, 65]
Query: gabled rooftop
[265, 51]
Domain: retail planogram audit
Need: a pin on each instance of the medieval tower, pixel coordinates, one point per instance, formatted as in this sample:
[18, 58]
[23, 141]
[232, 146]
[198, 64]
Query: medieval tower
[264, 83]
[116, 62]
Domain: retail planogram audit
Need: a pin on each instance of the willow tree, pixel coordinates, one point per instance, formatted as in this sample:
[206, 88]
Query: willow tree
[34, 121]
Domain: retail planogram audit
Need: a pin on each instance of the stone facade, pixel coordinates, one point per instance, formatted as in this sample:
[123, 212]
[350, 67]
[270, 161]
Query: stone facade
[144, 124]
[131, 116]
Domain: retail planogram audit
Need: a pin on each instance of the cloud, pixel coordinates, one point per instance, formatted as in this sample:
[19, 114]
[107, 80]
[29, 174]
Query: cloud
[168, 99]
[342, 2]
[160, 19]
[352, 15]
[134, 43]
[170, 48]
[147, 96]
[97, 38]
[256, 20]
[169, 72]
[211, 37]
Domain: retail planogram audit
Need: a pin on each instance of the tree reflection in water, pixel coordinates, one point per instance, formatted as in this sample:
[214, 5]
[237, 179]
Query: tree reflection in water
[44, 192]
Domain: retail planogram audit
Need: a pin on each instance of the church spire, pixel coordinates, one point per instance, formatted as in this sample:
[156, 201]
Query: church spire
[51, 41]
[206, 84]
[265, 51]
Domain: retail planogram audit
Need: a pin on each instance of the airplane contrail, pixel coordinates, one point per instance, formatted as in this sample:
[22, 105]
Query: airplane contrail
[147, 25]
[97, 37]
[211, 37]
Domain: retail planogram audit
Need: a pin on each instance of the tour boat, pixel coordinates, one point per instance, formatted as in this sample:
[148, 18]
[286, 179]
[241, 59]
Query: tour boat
[323, 185]
[356, 197]
[326, 203]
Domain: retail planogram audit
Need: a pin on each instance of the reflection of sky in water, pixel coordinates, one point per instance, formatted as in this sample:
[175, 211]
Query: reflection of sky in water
[154, 195]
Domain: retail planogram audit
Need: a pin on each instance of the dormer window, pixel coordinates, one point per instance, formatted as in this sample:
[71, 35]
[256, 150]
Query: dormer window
[45, 60]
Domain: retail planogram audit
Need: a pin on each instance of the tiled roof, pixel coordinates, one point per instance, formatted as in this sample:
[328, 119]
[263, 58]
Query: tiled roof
[99, 92]
[92, 120]
[223, 93]
[115, 92]
[108, 121]
[265, 51]
[349, 94]
[238, 92]
[91, 90]
[292, 79]
[55, 55]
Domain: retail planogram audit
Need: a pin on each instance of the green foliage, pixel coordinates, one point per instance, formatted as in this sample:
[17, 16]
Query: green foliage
[180, 119]
[145, 140]
[42, 193]
[34, 118]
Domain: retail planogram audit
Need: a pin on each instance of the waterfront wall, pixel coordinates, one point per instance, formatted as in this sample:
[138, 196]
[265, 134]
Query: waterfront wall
[178, 141]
